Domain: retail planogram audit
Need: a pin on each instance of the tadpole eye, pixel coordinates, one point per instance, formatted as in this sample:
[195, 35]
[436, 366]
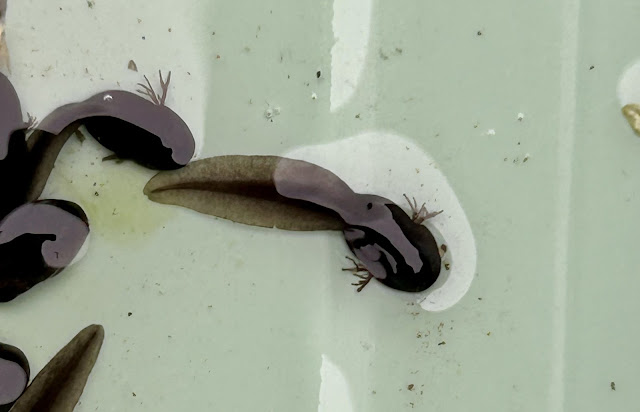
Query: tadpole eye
[369, 206]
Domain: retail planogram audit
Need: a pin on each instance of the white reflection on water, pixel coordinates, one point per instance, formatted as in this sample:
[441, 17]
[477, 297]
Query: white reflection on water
[334, 389]
[351, 30]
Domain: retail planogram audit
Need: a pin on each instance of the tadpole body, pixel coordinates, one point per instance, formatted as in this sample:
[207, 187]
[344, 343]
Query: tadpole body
[134, 128]
[13, 150]
[37, 241]
[272, 191]
[14, 375]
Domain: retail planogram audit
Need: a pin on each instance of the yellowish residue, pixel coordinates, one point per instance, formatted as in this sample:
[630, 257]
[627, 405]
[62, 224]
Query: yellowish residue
[109, 192]
[632, 114]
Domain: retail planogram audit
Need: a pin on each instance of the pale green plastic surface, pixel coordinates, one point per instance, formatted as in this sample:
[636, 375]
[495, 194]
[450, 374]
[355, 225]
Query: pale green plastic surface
[227, 317]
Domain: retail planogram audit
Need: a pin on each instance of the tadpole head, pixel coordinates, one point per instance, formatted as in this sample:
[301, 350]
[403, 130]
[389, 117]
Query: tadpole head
[388, 261]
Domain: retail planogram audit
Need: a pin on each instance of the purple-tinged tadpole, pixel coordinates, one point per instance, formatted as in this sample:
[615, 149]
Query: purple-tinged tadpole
[37, 241]
[14, 375]
[60, 383]
[13, 151]
[290, 194]
[134, 128]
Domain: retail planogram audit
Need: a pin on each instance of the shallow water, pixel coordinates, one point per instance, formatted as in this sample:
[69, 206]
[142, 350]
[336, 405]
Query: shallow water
[510, 108]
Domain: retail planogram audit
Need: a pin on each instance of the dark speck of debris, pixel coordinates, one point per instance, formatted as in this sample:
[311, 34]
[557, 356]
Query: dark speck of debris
[398, 50]
[479, 298]
[410, 387]
[443, 247]
[592, 67]
[132, 66]
[447, 266]
[318, 74]
[97, 194]
[144, 38]
[91, 3]
[133, 393]
[479, 33]
[442, 343]
[358, 116]
[613, 386]
[382, 55]
[169, 30]
[130, 313]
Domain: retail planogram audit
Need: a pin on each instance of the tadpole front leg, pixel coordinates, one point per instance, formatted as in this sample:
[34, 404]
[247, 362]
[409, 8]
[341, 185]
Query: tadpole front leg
[419, 215]
[147, 89]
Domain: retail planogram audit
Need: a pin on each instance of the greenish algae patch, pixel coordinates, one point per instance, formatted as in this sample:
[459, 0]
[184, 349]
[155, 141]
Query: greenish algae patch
[109, 192]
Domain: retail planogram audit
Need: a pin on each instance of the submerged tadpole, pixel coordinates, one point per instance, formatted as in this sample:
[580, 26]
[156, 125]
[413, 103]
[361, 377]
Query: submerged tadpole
[60, 383]
[272, 191]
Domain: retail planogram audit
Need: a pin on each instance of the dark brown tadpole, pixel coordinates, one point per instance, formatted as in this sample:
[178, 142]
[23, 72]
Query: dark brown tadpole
[37, 241]
[60, 383]
[13, 152]
[134, 128]
[272, 191]
[14, 375]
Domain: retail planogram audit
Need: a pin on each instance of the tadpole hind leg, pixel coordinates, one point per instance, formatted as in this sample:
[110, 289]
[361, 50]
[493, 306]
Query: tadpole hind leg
[147, 89]
[356, 271]
[364, 281]
[357, 267]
